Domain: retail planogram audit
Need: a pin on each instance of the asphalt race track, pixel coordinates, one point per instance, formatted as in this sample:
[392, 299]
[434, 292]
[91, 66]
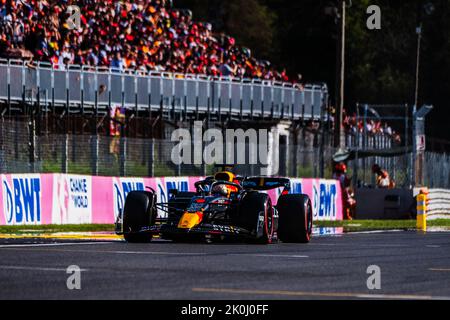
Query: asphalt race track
[413, 266]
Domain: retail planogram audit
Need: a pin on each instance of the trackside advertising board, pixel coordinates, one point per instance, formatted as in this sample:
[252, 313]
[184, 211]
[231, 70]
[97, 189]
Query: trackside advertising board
[40, 199]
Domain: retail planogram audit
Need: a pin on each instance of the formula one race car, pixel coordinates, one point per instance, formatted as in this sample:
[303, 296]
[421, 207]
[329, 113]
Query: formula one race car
[224, 207]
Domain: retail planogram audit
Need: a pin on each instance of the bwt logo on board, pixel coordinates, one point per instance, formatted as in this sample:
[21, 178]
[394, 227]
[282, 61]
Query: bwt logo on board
[182, 186]
[296, 188]
[325, 201]
[22, 201]
[163, 189]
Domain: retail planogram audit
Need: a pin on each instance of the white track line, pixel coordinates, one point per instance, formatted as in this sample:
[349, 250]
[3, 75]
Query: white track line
[27, 245]
[155, 253]
[18, 246]
[266, 255]
[374, 232]
[320, 294]
[150, 253]
[439, 270]
[36, 268]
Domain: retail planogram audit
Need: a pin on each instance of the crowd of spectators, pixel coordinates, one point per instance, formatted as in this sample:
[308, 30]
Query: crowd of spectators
[139, 35]
[352, 125]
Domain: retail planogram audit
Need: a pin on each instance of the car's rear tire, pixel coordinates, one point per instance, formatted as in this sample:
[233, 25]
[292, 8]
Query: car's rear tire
[296, 219]
[253, 206]
[139, 212]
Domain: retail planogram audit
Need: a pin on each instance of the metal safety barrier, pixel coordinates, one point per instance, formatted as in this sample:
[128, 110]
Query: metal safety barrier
[94, 87]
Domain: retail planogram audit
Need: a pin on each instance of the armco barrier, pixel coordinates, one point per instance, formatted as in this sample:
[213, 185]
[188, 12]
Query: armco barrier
[39, 199]
[43, 82]
[438, 204]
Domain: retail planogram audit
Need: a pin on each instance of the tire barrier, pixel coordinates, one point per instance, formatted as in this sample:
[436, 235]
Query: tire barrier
[438, 204]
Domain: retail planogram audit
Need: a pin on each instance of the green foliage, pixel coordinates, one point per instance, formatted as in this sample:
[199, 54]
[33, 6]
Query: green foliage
[380, 64]
[249, 21]
[252, 23]
[46, 229]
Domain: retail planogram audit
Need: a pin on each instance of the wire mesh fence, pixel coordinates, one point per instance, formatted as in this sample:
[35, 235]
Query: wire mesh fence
[437, 170]
[398, 167]
[24, 151]
[88, 154]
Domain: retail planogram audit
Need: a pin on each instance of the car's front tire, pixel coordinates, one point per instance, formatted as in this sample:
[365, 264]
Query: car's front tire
[139, 212]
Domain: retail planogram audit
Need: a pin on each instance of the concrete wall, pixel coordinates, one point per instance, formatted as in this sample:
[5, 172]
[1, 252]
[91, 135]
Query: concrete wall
[379, 204]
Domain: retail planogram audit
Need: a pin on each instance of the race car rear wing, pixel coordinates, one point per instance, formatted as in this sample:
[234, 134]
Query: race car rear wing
[266, 183]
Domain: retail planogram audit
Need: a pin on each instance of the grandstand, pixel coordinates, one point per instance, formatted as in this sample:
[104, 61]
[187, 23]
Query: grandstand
[144, 56]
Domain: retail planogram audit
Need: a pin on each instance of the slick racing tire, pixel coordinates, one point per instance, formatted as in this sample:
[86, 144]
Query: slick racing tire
[296, 219]
[255, 207]
[139, 212]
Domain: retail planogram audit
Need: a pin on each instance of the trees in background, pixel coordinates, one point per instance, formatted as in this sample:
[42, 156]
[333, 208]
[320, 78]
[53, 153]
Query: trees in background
[302, 35]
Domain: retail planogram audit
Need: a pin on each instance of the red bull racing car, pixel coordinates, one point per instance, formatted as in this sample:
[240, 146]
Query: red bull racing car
[224, 207]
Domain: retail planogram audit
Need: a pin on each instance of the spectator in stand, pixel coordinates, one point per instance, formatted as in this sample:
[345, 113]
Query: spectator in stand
[65, 58]
[373, 128]
[387, 130]
[117, 62]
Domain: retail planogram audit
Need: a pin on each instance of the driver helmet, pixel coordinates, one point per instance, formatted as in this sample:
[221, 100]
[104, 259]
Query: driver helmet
[224, 176]
[221, 189]
[224, 189]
